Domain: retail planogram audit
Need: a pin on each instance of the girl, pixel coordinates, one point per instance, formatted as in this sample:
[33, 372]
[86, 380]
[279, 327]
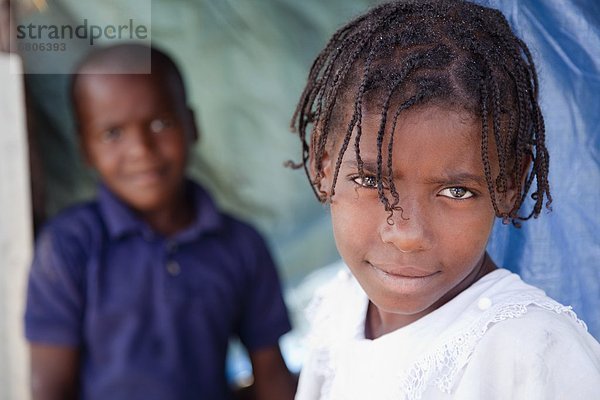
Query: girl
[424, 127]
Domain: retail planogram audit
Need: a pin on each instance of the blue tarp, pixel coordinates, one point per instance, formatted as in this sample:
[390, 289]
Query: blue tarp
[560, 251]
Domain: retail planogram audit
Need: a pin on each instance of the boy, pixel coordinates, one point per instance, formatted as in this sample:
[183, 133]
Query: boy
[136, 294]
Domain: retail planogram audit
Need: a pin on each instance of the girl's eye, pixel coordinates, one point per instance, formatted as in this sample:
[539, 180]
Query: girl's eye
[368, 181]
[160, 124]
[459, 193]
[111, 135]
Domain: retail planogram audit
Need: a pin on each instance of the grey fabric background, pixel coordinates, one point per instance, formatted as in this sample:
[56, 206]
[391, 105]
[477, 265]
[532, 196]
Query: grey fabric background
[245, 63]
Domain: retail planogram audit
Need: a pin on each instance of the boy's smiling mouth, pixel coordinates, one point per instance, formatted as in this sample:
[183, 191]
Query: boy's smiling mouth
[146, 177]
[146, 174]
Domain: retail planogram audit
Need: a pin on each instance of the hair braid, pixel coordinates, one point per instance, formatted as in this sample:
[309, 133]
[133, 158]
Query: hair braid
[444, 52]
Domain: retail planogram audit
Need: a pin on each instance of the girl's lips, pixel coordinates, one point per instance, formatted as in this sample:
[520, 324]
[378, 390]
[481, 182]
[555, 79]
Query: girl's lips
[404, 280]
[403, 271]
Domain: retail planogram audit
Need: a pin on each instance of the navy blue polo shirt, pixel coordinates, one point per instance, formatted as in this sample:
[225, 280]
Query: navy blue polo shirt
[151, 315]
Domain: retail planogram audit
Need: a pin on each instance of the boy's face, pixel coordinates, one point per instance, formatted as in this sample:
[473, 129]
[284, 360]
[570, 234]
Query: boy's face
[135, 134]
[436, 245]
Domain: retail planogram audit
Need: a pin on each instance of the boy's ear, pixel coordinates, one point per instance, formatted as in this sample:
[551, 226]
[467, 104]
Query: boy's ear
[83, 150]
[191, 127]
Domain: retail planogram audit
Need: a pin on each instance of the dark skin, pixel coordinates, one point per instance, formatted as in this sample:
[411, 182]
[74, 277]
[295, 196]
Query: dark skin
[54, 372]
[272, 379]
[136, 136]
[433, 248]
[377, 326]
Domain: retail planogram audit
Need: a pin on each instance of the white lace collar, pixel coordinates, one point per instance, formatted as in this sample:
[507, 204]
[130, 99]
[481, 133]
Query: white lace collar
[447, 336]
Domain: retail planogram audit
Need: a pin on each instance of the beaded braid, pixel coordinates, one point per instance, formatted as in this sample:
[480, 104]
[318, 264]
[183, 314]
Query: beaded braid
[411, 53]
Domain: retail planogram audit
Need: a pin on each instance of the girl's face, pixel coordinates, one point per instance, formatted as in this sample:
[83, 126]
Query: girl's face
[436, 245]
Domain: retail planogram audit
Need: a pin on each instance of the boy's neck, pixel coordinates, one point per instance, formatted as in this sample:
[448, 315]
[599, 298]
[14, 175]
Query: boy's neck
[172, 219]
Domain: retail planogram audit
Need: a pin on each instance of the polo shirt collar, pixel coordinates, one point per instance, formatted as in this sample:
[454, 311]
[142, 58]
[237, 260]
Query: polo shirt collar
[208, 219]
[122, 220]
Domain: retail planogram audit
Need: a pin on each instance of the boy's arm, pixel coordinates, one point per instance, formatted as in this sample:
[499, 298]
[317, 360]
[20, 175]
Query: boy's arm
[272, 379]
[53, 315]
[54, 372]
[264, 320]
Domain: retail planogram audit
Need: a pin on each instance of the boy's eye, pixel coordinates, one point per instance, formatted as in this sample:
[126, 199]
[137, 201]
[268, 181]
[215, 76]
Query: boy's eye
[111, 134]
[160, 124]
[367, 181]
[458, 192]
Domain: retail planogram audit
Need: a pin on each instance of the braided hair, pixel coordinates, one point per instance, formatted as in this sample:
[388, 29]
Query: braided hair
[407, 54]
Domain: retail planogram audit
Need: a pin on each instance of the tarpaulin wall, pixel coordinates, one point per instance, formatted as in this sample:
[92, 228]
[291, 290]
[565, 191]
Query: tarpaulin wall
[560, 251]
[245, 63]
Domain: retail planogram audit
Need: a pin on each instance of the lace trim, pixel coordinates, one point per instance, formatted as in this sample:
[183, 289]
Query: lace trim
[443, 364]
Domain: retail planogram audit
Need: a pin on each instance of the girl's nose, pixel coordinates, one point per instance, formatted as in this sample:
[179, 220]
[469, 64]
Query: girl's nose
[407, 230]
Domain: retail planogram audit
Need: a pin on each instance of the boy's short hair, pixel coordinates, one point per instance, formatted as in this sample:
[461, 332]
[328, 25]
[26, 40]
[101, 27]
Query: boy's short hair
[131, 58]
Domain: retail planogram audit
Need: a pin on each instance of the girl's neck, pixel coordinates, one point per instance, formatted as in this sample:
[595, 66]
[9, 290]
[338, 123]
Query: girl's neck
[379, 323]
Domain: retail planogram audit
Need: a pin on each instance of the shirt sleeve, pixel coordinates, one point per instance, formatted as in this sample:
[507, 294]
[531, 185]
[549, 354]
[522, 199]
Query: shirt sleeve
[541, 355]
[312, 374]
[54, 309]
[311, 379]
[264, 317]
[333, 304]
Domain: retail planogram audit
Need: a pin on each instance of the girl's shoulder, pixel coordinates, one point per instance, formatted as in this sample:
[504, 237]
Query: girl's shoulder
[540, 330]
[504, 296]
[543, 351]
[526, 323]
[503, 329]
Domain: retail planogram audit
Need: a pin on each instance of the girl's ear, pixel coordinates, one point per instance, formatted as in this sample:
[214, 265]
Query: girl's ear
[325, 176]
[515, 190]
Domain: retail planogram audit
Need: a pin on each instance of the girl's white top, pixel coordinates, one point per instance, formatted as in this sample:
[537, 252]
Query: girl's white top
[498, 339]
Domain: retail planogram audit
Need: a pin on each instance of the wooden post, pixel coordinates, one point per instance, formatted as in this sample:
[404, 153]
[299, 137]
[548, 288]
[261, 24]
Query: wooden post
[15, 230]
